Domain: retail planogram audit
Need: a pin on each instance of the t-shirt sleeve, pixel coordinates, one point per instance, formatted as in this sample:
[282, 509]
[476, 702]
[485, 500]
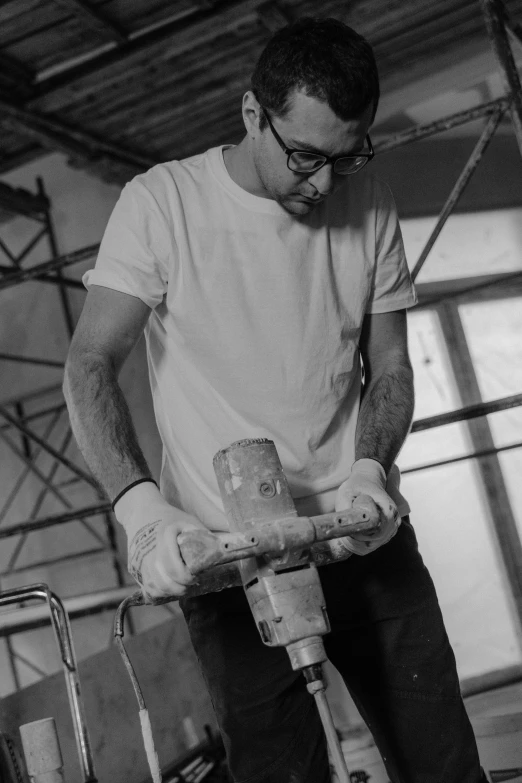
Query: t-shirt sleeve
[392, 287]
[137, 248]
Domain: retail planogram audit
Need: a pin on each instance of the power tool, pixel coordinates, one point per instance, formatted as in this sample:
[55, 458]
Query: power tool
[274, 553]
[284, 592]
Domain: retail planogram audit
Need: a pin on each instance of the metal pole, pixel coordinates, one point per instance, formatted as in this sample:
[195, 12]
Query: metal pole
[39, 414]
[27, 249]
[60, 262]
[11, 655]
[501, 518]
[26, 443]
[34, 395]
[38, 504]
[21, 479]
[33, 436]
[54, 519]
[32, 467]
[494, 15]
[430, 422]
[62, 629]
[459, 187]
[53, 561]
[64, 298]
[468, 412]
[463, 458]
[439, 126]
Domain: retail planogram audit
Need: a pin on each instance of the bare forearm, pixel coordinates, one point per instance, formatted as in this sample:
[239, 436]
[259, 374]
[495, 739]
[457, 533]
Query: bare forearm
[102, 425]
[385, 415]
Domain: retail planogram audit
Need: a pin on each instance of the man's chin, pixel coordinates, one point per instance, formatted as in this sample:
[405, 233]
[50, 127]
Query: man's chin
[296, 206]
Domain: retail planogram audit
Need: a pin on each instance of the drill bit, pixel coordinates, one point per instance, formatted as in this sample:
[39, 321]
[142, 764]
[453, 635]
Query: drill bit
[316, 686]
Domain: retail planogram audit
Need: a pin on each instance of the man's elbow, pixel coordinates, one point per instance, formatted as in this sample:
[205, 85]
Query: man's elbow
[71, 373]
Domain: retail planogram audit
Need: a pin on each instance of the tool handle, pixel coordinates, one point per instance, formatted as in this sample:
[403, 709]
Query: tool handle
[202, 549]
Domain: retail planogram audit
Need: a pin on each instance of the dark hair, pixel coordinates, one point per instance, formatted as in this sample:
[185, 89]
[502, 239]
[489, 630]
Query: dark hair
[323, 57]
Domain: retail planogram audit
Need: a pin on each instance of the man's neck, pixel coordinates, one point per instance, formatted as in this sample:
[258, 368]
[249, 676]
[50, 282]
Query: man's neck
[238, 163]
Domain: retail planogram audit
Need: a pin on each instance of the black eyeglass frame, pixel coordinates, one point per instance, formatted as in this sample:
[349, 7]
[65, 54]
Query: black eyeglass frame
[289, 151]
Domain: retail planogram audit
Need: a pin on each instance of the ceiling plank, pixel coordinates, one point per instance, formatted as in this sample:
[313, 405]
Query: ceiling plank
[273, 16]
[141, 81]
[201, 26]
[93, 18]
[54, 134]
[15, 70]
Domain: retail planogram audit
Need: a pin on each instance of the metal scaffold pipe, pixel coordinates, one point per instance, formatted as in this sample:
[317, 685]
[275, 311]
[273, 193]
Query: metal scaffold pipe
[459, 187]
[494, 15]
[60, 262]
[62, 629]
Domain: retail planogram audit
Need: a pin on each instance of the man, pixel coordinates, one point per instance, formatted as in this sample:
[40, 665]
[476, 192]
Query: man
[262, 274]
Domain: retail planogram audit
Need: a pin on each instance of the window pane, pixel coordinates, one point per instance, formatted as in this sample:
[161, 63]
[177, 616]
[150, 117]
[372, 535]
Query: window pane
[452, 519]
[435, 392]
[493, 331]
[470, 244]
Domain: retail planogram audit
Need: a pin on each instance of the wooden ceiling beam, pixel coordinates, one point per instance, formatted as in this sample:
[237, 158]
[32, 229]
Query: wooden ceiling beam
[139, 85]
[54, 134]
[185, 77]
[15, 71]
[435, 32]
[215, 102]
[94, 19]
[201, 26]
[173, 99]
[273, 16]
[408, 19]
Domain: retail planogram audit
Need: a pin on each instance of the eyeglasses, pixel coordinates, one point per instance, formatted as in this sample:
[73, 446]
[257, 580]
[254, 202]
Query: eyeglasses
[304, 162]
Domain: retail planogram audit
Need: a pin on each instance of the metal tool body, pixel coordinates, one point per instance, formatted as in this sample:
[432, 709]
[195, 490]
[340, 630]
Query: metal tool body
[284, 592]
[277, 538]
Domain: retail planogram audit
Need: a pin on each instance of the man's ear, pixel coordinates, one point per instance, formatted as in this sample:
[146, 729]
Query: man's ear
[251, 114]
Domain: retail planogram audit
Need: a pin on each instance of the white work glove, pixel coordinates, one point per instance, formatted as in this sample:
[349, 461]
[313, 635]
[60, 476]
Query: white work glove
[368, 477]
[152, 526]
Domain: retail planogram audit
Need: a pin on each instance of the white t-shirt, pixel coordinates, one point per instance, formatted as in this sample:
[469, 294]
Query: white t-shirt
[255, 321]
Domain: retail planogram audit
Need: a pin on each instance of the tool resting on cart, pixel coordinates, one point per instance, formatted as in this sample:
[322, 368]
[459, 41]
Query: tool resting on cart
[276, 553]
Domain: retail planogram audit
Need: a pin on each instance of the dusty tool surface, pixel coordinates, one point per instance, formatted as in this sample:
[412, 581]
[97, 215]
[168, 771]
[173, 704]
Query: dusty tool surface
[275, 555]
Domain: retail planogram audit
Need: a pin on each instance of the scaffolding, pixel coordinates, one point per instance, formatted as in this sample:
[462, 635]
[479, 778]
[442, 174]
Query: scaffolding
[503, 33]
[18, 430]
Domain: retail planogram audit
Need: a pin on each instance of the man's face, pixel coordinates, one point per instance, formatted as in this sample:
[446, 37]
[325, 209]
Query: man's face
[309, 125]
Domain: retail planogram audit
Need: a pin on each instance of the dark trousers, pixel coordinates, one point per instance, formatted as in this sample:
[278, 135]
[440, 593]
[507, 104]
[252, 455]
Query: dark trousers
[389, 644]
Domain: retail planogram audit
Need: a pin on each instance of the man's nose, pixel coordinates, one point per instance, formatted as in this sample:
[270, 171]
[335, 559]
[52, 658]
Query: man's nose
[323, 180]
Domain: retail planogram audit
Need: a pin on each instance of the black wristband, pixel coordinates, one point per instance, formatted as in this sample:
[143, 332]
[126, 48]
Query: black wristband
[130, 486]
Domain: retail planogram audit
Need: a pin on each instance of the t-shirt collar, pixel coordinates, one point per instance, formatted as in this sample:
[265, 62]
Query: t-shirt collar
[248, 200]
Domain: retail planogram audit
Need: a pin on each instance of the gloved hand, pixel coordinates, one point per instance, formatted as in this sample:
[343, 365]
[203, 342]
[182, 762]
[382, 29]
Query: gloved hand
[368, 477]
[152, 526]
